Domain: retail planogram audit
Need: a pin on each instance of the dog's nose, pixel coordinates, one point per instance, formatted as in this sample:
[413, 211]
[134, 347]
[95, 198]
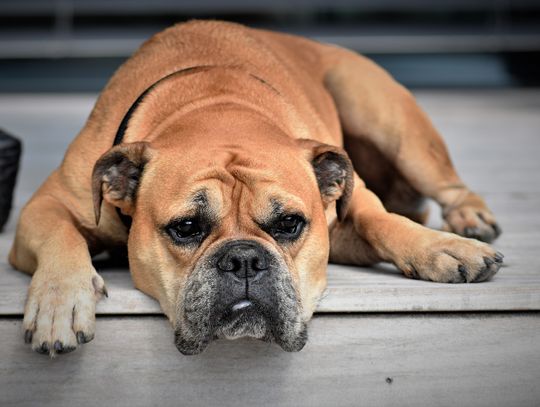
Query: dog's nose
[244, 260]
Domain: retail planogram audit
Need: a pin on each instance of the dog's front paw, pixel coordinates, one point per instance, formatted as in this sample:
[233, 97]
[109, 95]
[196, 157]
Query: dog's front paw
[60, 310]
[446, 258]
[471, 218]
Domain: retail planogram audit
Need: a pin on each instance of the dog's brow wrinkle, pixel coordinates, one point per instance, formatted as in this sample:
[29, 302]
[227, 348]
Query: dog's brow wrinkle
[264, 82]
[216, 174]
[232, 146]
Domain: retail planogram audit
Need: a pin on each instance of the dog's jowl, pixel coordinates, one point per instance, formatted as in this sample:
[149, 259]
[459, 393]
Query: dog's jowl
[234, 164]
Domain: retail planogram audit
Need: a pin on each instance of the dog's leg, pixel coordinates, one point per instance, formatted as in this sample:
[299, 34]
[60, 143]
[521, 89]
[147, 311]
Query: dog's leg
[60, 307]
[347, 246]
[382, 178]
[375, 108]
[419, 252]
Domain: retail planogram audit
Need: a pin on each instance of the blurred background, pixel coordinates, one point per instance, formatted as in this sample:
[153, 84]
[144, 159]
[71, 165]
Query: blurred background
[75, 45]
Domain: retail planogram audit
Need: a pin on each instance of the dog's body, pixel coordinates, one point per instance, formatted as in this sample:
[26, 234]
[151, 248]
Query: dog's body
[231, 168]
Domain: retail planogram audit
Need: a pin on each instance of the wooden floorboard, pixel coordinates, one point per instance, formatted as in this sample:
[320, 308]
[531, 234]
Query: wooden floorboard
[436, 360]
[494, 138]
[350, 289]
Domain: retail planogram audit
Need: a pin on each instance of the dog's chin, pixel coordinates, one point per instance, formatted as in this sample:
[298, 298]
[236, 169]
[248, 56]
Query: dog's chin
[250, 322]
[247, 322]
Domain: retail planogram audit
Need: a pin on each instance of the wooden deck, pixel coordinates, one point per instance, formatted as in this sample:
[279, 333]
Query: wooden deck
[378, 338]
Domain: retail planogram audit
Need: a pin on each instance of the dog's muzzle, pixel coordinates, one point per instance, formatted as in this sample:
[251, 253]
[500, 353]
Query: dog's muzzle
[239, 290]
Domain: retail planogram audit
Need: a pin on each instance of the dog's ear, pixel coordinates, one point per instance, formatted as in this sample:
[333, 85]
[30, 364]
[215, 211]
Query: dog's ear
[116, 176]
[334, 173]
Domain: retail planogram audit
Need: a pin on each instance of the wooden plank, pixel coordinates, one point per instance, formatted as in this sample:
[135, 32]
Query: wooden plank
[493, 137]
[350, 289]
[401, 360]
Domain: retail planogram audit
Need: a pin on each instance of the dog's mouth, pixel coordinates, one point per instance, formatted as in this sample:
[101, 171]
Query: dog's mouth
[246, 318]
[243, 318]
[266, 308]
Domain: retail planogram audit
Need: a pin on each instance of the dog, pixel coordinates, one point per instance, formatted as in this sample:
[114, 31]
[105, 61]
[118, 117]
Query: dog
[235, 163]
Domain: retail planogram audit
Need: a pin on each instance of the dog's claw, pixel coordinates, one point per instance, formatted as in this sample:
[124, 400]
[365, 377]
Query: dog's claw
[28, 336]
[58, 347]
[83, 338]
[43, 349]
[80, 337]
[61, 349]
[463, 272]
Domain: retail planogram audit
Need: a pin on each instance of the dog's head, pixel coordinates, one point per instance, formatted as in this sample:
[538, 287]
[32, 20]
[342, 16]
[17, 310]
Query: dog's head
[229, 229]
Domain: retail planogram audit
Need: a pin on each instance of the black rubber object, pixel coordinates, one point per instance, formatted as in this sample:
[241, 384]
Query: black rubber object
[10, 153]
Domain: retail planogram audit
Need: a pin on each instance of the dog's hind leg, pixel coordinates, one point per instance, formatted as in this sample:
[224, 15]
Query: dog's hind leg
[60, 307]
[376, 109]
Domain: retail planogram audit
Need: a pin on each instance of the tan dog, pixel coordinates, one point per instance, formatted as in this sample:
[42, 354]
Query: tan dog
[228, 159]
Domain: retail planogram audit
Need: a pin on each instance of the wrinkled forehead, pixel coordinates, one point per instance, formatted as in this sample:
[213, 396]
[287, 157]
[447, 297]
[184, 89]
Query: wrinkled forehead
[219, 180]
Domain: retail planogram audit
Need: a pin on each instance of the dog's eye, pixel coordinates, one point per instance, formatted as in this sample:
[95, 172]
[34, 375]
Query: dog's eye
[289, 227]
[185, 230]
